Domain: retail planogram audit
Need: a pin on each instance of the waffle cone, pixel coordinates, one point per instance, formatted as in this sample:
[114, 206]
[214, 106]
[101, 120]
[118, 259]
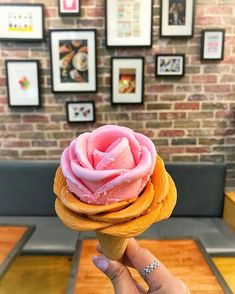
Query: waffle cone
[112, 247]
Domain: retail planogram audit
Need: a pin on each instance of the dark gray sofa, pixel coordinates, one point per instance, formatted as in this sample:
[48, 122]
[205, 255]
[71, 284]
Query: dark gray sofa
[26, 197]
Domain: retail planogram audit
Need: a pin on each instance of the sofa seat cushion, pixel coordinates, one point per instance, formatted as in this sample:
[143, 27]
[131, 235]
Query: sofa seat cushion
[50, 235]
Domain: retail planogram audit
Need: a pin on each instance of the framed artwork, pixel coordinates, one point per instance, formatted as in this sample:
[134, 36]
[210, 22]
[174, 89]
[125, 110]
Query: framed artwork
[22, 22]
[69, 7]
[177, 18]
[23, 82]
[127, 85]
[212, 47]
[170, 65]
[73, 60]
[129, 23]
[80, 112]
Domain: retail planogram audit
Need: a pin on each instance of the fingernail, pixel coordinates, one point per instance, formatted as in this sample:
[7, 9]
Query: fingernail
[101, 263]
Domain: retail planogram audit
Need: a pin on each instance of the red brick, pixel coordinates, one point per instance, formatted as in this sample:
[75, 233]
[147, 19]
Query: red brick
[171, 133]
[2, 82]
[218, 88]
[16, 144]
[224, 114]
[50, 12]
[170, 150]
[204, 79]
[35, 118]
[187, 105]
[198, 149]
[218, 10]
[159, 88]
[95, 12]
[172, 115]
[208, 20]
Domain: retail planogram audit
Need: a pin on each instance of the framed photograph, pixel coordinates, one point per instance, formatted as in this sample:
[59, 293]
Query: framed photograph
[22, 22]
[127, 80]
[212, 47]
[170, 65]
[129, 23]
[177, 18]
[23, 82]
[80, 111]
[69, 7]
[73, 60]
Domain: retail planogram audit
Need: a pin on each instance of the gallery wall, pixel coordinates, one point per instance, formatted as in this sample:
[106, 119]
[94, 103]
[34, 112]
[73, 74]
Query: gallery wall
[188, 119]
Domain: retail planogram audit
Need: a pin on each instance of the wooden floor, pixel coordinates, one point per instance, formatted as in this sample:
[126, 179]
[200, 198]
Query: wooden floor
[50, 274]
[182, 257]
[9, 237]
[226, 266]
[37, 275]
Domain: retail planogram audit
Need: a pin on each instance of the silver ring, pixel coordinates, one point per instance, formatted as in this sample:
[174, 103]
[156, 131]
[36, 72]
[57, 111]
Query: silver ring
[149, 268]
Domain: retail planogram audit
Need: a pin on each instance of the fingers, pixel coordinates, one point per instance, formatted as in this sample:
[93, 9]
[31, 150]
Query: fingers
[117, 273]
[140, 258]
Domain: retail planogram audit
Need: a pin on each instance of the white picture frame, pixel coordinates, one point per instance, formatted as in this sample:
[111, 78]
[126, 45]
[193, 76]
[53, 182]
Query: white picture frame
[73, 61]
[23, 83]
[129, 23]
[22, 22]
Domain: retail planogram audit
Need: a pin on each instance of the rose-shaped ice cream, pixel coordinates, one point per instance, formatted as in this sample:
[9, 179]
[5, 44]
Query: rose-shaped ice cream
[108, 165]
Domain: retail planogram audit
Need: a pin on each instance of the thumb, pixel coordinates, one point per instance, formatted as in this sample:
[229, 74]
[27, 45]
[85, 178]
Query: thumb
[118, 274]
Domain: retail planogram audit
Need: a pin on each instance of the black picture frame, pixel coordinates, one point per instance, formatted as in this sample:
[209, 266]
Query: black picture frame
[18, 83]
[80, 115]
[70, 13]
[145, 26]
[133, 69]
[215, 45]
[169, 66]
[87, 77]
[179, 24]
[16, 27]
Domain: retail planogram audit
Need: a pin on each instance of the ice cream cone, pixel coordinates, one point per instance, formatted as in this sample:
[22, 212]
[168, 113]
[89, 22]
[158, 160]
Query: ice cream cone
[112, 247]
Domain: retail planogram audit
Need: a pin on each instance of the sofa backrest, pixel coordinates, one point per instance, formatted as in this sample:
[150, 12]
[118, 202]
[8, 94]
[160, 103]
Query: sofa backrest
[200, 188]
[26, 188]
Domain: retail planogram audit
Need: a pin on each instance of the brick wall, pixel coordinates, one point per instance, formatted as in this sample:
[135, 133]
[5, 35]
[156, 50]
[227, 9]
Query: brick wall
[191, 119]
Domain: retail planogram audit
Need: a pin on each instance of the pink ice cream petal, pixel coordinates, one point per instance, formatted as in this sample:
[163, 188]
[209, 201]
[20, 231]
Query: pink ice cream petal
[73, 182]
[80, 150]
[80, 190]
[103, 137]
[97, 156]
[118, 156]
[120, 193]
[94, 175]
[145, 141]
[140, 172]
[72, 154]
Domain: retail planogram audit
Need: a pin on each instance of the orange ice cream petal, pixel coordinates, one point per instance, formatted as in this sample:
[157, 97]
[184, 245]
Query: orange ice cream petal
[160, 180]
[132, 211]
[76, 221]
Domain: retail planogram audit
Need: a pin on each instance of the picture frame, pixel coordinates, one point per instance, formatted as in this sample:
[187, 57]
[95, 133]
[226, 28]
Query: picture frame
[73, 60]
[80, 112]
[170, 65]
[177, 18]
[212, 44]
[128, 23]
[23, 81]
[127, 82]
[22, 22]
[69, 7]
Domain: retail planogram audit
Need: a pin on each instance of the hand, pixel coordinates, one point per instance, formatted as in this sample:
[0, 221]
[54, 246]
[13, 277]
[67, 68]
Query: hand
[160, 280]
